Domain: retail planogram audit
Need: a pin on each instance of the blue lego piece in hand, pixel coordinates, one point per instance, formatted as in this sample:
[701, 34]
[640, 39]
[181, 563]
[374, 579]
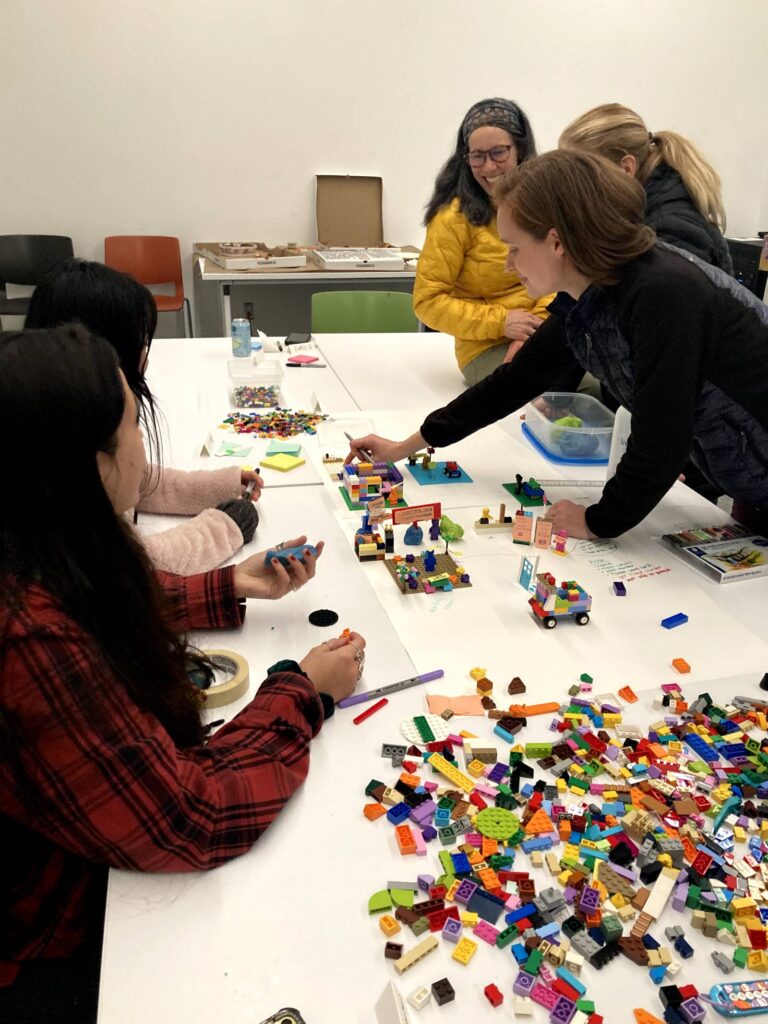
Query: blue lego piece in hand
[284, 554]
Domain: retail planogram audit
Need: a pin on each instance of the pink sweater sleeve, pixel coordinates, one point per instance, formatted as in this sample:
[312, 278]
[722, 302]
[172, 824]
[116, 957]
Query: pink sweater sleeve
[178, 492]
[196, 546]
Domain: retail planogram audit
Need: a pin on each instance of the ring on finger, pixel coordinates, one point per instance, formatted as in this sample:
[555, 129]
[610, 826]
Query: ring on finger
[280, 546]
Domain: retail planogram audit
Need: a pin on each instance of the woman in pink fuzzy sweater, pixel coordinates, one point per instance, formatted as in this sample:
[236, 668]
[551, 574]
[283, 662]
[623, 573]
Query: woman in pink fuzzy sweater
[119, 309]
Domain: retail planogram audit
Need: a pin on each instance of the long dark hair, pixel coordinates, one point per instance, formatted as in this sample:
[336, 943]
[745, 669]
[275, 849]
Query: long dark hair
[111, 305]
[58, 529]
[456, 180]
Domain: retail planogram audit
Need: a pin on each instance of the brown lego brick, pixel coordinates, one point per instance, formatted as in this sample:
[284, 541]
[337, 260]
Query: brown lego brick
[631, 946]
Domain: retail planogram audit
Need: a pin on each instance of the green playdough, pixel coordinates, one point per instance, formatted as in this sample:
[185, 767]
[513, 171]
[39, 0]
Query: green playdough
[564, 421]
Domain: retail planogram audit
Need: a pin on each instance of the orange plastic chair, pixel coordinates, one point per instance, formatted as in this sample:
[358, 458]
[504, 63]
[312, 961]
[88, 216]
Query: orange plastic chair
[151, 259]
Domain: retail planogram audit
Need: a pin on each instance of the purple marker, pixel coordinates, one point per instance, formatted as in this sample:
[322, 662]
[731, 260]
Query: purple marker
[359, 698]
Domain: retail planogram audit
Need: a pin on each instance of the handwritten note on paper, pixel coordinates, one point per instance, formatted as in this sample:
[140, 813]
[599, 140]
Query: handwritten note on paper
[605, 557]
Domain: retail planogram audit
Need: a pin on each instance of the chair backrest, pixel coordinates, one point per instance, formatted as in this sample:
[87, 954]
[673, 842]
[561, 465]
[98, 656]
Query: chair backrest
[363, 312]
[25, 258]
[151, 259]
[745, 254]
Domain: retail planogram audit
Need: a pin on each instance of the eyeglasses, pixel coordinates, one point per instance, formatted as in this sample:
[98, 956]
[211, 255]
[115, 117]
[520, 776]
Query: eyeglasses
[499, 155]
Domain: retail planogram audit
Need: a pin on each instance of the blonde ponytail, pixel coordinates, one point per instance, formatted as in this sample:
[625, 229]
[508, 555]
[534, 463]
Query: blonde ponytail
[615, 131]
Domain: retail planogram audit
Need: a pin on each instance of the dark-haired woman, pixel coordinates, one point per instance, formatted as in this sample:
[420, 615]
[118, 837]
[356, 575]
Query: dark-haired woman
[679, 342]
[114, 306]
[463, 286]
[104, 761]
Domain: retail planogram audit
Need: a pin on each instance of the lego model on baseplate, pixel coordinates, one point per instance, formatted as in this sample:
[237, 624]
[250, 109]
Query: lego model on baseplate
[528, 492]
[364, 481]
[551, 602]
[439, 473]
[412, 577]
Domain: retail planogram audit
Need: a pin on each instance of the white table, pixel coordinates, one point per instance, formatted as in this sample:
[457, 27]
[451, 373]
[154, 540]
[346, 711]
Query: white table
[224, 280]
[287, 924]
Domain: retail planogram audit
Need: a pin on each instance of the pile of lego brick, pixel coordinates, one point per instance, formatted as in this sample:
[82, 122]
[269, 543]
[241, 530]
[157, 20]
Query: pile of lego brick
[273, 423]
[630, 823]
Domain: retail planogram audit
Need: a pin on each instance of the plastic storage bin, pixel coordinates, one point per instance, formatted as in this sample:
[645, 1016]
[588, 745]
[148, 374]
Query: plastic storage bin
[255, 386]
[569, 429]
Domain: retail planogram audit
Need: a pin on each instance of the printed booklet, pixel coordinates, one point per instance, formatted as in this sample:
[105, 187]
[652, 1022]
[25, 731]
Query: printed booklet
[726, 553]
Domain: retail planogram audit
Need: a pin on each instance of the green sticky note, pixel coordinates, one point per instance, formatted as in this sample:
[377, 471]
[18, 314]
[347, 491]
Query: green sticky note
[283, 448]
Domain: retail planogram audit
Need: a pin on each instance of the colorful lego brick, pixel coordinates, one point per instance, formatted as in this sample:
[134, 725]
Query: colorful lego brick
[464, 951]
[424, 948]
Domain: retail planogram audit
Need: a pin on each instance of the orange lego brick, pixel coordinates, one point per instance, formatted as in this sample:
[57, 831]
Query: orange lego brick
[564, 830]
[374, 811]
[490, 846]
[410, 780]
[538, 824]
[681, 665]
[529, 710]
[644, 1017]
[405, 840]
[628, 694]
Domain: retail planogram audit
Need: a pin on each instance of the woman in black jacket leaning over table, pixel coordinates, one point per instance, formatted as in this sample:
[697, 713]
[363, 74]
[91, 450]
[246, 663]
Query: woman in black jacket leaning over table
[683, 201]
[680, 344]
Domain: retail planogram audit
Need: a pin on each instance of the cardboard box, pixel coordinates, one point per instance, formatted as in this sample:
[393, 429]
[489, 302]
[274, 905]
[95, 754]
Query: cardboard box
[251, 255]
[350, 229]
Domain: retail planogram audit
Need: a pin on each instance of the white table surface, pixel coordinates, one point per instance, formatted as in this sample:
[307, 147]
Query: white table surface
[287, 923]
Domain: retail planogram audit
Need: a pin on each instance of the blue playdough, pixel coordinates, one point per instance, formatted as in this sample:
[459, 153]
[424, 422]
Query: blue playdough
[283, 556]
[578, 444]
[413, 535]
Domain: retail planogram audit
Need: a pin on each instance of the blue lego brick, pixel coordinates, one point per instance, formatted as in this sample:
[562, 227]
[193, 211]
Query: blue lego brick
[657, 974]
[397, 815]
[536, 843]
[685, 949]
[548, 930]
[506, 736]
[486, 906]
[520, 912]
[703, 749]
[520, 953]
[649, 942]
[461, 865]
[672, 621]
[565, 975]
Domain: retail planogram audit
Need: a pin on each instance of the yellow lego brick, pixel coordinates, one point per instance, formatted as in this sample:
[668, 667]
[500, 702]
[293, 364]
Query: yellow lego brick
[469, 918]
[467, 735]
[562, 786]
[477, 673]
[570, 851]
[451, 894]
[665, 859]
[440, 764]
[476, 769]
[739, 835]
[618, 900]
[465, 950]
[611, 720]
[756, 960]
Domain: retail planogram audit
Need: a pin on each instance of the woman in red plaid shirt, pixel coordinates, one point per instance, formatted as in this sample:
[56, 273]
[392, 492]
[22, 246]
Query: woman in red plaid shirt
[104, 761]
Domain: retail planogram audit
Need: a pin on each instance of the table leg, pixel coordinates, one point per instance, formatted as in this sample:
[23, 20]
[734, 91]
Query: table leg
[226, 310]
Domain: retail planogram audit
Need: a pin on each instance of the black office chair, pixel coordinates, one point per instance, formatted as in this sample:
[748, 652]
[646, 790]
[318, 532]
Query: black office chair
[23, 260]
[745, 254]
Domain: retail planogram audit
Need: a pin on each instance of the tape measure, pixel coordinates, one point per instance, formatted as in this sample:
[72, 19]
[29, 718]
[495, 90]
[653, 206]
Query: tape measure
[217, 695]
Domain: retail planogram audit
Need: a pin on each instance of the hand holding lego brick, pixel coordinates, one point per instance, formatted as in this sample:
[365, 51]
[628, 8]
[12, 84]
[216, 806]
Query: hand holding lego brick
[272, 581]
[569, 517]
[336, 665]
[382, 449]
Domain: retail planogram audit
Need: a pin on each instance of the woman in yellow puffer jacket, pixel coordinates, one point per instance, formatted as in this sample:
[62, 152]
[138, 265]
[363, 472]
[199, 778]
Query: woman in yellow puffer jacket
[462, 285]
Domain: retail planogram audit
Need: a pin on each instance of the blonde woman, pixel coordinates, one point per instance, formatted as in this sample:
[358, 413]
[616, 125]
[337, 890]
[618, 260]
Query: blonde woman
[683, 201]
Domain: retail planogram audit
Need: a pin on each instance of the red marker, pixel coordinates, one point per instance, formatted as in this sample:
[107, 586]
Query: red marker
[369, 711]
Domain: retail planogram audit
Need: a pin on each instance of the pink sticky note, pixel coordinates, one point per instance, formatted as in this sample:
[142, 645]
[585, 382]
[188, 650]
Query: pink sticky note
[303, 359]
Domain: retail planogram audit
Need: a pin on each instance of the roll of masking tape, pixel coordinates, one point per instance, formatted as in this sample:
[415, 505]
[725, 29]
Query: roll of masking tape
[217, 695]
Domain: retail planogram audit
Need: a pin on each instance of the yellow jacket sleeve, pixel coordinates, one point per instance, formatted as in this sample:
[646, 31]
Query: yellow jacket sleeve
[435, 301]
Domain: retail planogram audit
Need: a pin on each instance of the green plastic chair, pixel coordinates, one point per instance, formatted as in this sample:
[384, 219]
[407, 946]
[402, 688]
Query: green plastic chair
[363, 313]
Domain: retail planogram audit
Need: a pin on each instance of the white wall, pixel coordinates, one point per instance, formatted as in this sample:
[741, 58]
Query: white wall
[208, 120]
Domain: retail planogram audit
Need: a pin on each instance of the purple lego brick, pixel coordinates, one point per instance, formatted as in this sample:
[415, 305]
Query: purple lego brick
[691, 1011]
[590, 900]
[524, 983]
[465, 891]
[563, 1011]
[425, 881]
[428, 834]
[497, 773]
[452, 930]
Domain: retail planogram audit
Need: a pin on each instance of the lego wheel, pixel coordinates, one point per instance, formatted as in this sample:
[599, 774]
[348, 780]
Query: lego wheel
[551, 622]
[582, 619]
